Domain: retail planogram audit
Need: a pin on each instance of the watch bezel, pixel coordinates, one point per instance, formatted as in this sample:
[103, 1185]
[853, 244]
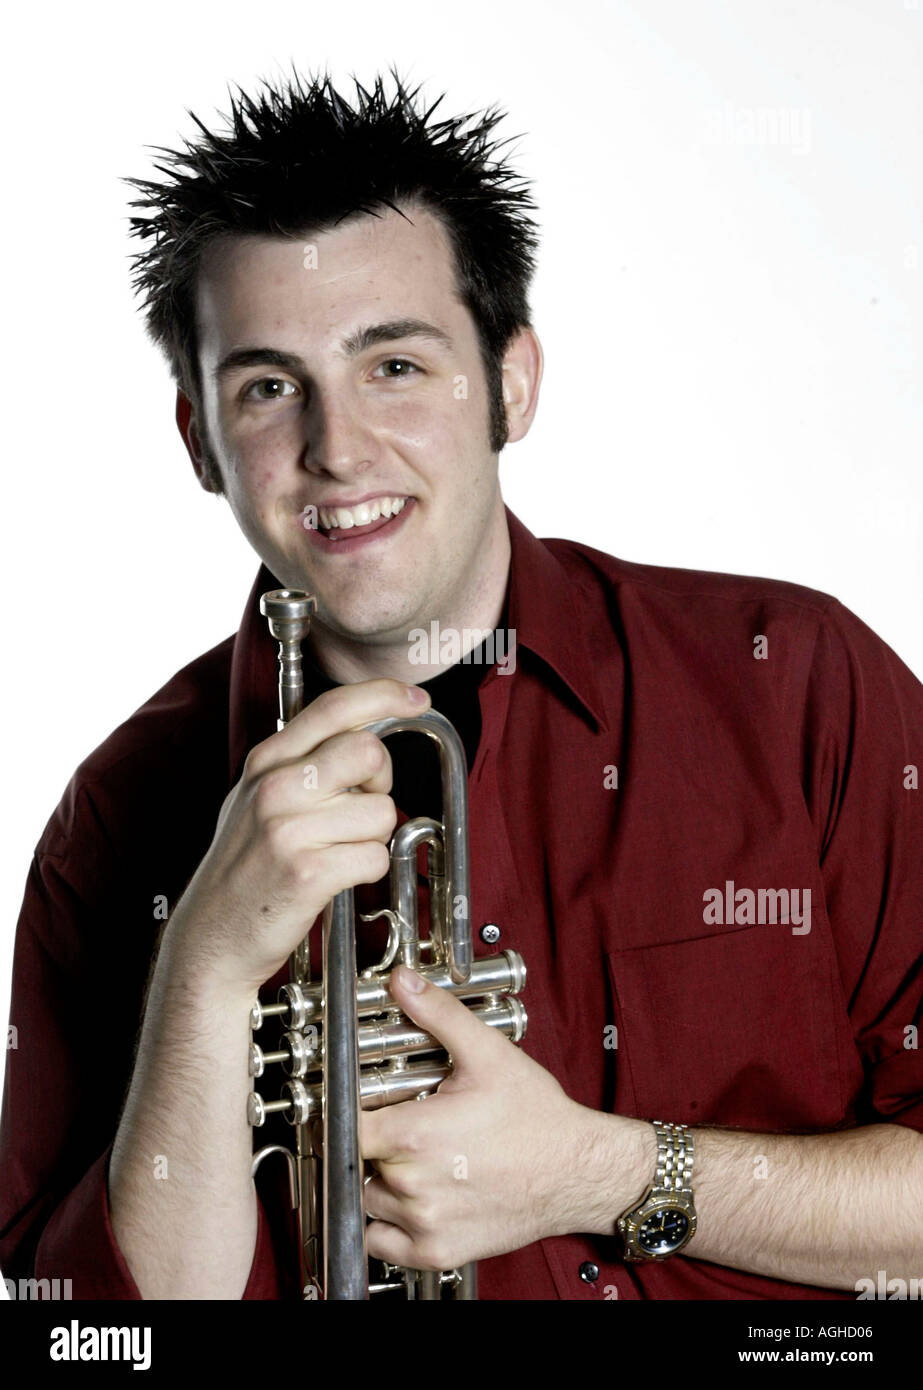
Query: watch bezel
[630, 1224]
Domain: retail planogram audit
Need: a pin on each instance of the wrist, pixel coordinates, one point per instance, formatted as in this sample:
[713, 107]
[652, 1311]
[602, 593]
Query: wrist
[619, 1156]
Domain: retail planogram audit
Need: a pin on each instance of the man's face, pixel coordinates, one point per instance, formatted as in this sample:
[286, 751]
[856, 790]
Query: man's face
[344, 421]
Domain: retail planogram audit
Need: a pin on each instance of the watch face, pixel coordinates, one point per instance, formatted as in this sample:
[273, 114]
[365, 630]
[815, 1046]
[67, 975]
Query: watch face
[663, 1231]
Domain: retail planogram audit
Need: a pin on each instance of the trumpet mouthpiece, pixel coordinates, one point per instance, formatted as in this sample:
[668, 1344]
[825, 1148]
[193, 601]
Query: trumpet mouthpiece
[288, 612]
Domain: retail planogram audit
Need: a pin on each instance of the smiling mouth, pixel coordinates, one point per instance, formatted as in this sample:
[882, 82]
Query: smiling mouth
[337, 527]
[334, 519]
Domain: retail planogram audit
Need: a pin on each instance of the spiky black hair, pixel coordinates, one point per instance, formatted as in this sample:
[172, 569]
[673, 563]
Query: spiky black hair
[298, 159]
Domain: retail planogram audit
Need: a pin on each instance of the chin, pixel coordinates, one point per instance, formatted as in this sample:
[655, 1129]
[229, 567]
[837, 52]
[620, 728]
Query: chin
[369, 625]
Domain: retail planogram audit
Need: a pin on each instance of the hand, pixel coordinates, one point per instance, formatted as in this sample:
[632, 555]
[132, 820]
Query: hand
[287, 842]
[484, 1166]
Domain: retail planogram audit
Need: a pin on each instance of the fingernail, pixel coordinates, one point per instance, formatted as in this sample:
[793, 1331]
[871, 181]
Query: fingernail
[414, 982]
[418, 696]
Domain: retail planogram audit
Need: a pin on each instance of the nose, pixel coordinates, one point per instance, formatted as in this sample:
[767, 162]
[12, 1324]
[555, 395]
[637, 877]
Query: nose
[337, 444]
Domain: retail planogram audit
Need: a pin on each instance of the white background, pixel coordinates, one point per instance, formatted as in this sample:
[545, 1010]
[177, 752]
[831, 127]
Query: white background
[729, 325]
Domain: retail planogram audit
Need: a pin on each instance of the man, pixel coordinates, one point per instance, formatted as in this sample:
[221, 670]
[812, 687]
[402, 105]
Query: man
[694, 803]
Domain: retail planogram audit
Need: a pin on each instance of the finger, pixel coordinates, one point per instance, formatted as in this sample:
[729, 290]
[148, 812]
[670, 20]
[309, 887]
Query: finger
[468, 1041]
[344, 866]
[346, 818]
[393, 1134]
[358, 758]
[336, 711]
[386, 1242]
[381, 1204]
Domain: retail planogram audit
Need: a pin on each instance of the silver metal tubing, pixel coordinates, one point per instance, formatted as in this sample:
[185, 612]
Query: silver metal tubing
[378, 1086]
[501, 974]
[379, 1042]
[322, 1018]
[345, 1263]
[455, 822]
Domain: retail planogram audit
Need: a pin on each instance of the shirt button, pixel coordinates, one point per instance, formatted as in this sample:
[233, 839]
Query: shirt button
[490, 933]
[589, 1272]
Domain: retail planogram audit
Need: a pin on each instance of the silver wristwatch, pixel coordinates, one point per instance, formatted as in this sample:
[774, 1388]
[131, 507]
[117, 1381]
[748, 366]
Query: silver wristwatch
[665, 1218]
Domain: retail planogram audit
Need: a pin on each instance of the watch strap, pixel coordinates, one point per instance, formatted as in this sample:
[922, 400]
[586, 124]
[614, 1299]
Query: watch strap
[675, 1158]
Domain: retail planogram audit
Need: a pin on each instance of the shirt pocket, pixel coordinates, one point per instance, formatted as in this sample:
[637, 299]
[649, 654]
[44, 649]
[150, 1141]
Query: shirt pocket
[745, 1026]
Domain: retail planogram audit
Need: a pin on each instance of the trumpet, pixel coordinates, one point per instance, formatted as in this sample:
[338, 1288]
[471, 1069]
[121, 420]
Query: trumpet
[345, 1046]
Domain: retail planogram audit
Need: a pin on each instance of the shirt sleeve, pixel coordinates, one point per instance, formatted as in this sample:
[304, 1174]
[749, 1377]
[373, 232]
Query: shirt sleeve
[78, 1244]
[65, 1077]
[862, 752]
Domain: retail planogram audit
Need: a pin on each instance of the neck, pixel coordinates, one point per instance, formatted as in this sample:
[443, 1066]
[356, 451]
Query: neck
[461, 625]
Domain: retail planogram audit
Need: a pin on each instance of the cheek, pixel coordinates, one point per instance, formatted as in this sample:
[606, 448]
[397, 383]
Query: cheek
[442, 438]
[252, 491]
[257, 451]
[263, 481]
[257, 467]
[440, 412]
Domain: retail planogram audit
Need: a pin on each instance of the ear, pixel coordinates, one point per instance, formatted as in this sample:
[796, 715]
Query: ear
[188, 427]
[523, 364]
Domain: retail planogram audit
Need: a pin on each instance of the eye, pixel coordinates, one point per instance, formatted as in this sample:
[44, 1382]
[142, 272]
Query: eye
[269, 381]
[403, 364]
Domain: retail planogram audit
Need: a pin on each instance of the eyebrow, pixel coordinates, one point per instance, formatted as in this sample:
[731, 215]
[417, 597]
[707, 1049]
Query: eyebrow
[368, 336]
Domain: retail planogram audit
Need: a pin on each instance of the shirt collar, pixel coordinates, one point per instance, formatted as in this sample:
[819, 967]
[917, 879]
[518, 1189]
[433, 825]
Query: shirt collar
[546, 609]
[549, 613]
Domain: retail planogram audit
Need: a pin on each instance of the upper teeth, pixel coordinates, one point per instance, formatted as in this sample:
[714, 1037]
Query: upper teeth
[361, 514]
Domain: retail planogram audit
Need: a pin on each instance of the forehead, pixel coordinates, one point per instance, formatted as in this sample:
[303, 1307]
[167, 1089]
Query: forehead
[321, 281]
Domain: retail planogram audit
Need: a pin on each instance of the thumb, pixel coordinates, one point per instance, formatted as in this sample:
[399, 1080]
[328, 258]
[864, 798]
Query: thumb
[466, 1039]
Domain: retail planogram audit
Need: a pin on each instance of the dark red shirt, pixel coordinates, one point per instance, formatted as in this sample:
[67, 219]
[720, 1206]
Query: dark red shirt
[647, 749]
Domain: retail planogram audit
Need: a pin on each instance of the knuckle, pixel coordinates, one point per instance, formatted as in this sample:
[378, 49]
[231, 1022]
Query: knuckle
[334, 699]
[278, 834]
[371, 750]
[403, 1182]
[255, 763]
[413, 1144]
[432, 1254]
[386, 688]
[426, 1219]
[384, 813]
[267, 791]
[345, 701]
[377, 862]
[305, 868]
[368, 862]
